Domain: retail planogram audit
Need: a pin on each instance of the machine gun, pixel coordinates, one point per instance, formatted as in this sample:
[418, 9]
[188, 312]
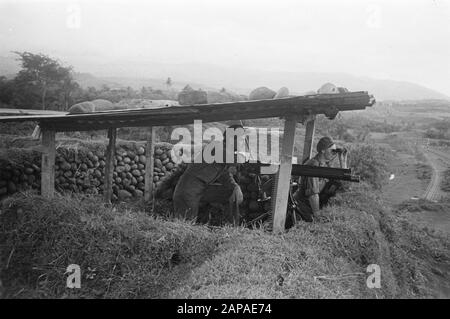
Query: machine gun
[312, 171]
[260, 169]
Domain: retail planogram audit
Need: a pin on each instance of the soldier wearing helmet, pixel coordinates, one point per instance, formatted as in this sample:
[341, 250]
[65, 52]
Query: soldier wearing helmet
[314, 192]
[192, 187]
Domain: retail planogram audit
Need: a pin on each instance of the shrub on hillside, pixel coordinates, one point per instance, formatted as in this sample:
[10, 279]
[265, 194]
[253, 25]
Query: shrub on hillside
[340, 127]
[14, 128]
[439, 130]
[370, 162]
[445, 184]
[423, 171]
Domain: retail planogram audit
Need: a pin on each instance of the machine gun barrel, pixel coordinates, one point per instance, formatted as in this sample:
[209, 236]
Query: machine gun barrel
[323, 172]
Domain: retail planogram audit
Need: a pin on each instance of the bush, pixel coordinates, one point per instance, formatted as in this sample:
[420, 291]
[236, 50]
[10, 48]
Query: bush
[424, 171]
[421, 205]
[20, 129]
[340, 127]
[370, 162]
[445, 183]
[439, 130]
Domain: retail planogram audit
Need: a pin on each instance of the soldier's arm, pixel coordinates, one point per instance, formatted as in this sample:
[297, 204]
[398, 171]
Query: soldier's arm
[314, 202]
[312, 191]
[227, 180]
[343, 159]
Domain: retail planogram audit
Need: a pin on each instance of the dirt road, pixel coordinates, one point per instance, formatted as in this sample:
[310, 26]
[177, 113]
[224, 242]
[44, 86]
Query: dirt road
[439, 161]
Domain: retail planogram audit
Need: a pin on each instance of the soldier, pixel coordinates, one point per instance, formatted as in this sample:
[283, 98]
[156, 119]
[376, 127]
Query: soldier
[314, 192]
[193, 185]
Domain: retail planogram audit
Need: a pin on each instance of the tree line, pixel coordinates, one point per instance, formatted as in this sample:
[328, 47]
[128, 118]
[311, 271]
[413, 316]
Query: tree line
[44, 83]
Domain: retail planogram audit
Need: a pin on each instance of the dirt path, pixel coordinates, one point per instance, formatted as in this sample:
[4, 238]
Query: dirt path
[405, 184]
[439, 161]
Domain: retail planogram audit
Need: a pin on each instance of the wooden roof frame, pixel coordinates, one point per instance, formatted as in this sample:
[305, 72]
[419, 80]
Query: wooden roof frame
[301, 109]
[328, 104]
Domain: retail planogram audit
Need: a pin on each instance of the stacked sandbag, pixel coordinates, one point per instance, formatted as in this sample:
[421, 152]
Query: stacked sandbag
[97, 105]
[129, 172]
[282, 92]
[330, 88]
[224, 96]
[262, 93]
[79, 171]
[15, 178]
[83, 171]
[189, 96]
[100, 105]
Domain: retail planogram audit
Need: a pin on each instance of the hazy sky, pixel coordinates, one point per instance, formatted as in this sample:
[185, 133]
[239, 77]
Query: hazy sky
[399, 40]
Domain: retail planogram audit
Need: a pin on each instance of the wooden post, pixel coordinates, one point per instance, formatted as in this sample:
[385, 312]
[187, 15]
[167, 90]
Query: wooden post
[149, 163]
[309, 139]
[109, 168]
[283, 177]
[48, 164]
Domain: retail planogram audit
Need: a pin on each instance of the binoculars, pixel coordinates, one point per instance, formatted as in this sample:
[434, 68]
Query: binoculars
[339, 151]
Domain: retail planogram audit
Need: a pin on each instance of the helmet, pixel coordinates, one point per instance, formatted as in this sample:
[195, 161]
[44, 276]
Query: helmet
[324, 143]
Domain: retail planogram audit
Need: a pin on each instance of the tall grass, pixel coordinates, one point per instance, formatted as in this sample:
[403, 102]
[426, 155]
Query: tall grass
[122, 253]
[130, 254]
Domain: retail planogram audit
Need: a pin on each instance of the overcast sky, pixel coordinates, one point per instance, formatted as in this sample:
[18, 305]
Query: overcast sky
[399, 40]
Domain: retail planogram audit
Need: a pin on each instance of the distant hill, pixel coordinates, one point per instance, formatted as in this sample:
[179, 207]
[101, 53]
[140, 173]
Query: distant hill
[208, 77]
[244, 80]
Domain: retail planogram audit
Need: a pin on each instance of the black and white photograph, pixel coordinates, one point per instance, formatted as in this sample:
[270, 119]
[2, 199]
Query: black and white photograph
[224, 155]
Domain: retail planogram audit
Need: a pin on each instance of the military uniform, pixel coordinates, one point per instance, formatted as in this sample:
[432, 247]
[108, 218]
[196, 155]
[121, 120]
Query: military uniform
[314, 185]
[192, 187]
[195, 184]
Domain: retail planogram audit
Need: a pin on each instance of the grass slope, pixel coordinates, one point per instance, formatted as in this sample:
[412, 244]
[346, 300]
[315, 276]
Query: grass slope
[130, 254]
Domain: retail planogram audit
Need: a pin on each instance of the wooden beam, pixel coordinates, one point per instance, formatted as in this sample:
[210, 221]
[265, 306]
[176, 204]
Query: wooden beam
[48, 164]
[150, 163]
[109, 168]
[9, 112]
[309, 139]
[283, 177]
[301, 105]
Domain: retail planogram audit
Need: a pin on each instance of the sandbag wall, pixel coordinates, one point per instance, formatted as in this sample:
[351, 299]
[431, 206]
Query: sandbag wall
[15, 178]
[82, 170]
